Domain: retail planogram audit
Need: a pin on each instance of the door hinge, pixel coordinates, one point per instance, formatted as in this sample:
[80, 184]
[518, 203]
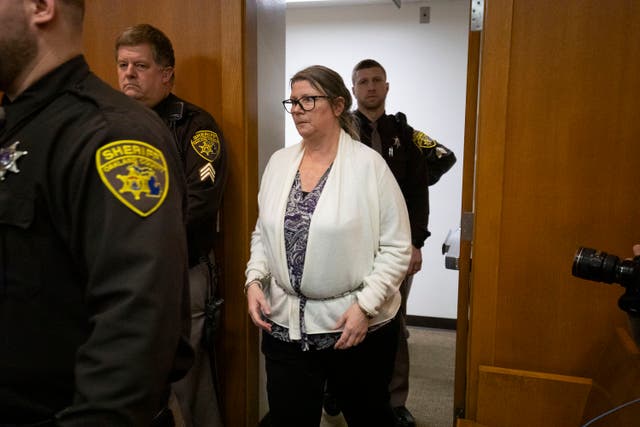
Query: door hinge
[466, 226]
[477, 15]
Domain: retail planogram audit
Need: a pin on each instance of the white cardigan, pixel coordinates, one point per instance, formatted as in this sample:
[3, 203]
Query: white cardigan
[359, 243]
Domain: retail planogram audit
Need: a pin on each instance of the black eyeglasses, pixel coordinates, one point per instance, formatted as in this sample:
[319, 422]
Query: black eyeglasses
[306, 103]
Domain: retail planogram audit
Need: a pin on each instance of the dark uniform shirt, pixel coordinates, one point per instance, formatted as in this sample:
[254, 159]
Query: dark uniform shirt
[93, 262]
[408, 166]
[202, 149]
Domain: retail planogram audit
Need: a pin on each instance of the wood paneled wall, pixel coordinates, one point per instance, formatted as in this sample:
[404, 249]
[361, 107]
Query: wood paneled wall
[557, 165]
[215, 46]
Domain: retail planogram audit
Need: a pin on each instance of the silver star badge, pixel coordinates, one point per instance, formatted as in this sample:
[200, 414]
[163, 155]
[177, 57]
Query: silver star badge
[8, 158]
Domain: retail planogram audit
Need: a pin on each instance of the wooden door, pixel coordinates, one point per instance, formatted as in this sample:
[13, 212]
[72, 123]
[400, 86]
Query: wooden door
[557, 158]
[464, 266]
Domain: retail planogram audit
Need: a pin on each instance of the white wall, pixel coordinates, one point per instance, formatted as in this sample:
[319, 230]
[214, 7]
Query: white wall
[271, 66]
[426, 68]
[271, 23]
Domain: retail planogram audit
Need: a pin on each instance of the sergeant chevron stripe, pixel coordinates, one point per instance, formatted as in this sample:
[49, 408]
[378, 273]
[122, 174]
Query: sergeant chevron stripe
[207, 171]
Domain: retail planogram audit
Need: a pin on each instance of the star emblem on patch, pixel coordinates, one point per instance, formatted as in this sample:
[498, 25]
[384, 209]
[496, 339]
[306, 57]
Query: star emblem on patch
[206, 149]
[8, 159]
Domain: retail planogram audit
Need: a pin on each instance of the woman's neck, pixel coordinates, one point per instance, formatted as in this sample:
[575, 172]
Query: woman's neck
[324, 147]
[318, 156]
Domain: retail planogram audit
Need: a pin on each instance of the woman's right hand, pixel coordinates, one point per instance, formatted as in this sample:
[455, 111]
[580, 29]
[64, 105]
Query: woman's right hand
[257, 305]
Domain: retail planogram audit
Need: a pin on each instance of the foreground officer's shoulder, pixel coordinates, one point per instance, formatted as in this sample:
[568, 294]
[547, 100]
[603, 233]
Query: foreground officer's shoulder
[134, 154]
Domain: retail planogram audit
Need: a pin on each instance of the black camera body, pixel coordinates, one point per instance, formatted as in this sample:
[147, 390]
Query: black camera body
[599, 266]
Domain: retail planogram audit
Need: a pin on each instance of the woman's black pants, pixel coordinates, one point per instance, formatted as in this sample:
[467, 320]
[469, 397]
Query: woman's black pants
[359, 379]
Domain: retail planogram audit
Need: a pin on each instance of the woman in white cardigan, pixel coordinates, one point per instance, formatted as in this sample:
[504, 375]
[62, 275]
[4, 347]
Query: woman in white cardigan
[329, 250]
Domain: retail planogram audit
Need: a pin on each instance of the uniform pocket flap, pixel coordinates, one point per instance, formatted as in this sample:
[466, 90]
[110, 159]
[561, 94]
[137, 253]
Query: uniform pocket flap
[17, 211]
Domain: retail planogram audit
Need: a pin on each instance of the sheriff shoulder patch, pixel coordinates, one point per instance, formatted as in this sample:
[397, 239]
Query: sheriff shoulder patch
[207, 144]
[422, 140]
[136, 173]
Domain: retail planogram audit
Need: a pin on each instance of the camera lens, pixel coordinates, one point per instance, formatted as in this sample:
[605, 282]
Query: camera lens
[595, 265]
[599, 266]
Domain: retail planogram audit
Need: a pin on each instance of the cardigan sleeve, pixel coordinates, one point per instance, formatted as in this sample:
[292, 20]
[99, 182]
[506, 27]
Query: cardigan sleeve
[258, 264]
[257, 267]
[393, 254]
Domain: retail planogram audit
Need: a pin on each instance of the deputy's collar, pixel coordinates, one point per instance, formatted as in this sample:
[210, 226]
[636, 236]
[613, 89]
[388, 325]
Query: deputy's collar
[40, 94]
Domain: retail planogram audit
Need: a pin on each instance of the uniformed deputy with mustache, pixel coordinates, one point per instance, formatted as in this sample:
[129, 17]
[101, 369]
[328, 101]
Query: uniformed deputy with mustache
[146, 72]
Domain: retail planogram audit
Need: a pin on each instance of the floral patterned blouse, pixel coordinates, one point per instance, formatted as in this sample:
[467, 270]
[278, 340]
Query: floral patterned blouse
[297, 219]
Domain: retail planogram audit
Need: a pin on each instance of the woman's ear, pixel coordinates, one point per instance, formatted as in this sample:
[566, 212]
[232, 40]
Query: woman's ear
[338, 106]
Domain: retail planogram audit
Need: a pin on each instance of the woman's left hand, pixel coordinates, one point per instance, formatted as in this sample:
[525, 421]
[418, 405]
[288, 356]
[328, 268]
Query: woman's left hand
[415, 264]
[355, 325]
